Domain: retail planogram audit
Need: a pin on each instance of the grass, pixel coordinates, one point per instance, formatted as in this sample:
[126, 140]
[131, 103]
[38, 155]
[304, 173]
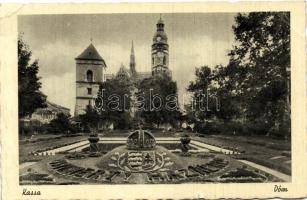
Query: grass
[256, 149]
[26, 148]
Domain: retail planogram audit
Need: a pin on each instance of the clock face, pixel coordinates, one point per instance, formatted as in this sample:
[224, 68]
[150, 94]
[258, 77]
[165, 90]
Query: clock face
[158, 38]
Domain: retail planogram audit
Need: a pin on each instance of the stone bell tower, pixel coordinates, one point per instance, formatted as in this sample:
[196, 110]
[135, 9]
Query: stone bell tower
[89, 69]
[159, 51]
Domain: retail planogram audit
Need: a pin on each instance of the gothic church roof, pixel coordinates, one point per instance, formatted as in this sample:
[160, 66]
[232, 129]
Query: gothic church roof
[123, 71]
[90, 53]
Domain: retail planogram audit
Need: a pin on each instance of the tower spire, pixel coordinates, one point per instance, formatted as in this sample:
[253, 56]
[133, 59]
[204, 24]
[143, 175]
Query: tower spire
[132, 61]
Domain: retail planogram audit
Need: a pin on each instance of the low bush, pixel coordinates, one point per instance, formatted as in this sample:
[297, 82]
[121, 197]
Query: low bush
[207, 128]
[257, 127]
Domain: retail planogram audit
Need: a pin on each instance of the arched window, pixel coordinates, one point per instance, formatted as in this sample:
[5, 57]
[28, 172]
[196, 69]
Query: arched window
[153, 60]
[164, 60]
[89, 75]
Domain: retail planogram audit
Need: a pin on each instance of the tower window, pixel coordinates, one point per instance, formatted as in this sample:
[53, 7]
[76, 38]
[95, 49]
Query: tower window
[89, 75]
[164, 60]
[89, 90]
[152, 60]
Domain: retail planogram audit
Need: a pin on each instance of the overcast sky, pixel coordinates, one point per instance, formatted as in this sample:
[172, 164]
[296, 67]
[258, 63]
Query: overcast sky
[194, 40]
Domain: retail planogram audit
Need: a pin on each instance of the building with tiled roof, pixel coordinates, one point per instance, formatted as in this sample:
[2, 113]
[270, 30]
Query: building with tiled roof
[89, 73]
[90, 53]
[90, 65]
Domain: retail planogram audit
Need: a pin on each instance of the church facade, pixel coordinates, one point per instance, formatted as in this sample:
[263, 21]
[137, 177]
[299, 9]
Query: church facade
[90, 68]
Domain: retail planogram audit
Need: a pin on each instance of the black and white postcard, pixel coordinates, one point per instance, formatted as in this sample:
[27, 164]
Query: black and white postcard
[120, 101]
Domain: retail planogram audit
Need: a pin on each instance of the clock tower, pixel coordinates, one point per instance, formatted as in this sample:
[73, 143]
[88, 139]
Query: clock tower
[159, 51]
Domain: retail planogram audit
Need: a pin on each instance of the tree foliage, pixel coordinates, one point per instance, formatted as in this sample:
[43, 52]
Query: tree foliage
[116, 101]
[261, 58]
[158, 101]
[60, 124]
[254, 86]
[211, 95]
[90, 119]
[29, 96]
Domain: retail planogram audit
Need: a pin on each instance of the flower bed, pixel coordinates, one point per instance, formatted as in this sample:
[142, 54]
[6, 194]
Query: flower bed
[196, 173]
[67, 169]
[242, 175]
[211, 167]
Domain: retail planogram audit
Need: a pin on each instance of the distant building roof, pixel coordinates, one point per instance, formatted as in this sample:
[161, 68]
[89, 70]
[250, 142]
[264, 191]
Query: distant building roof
[123, 71]
[90, 53]
[51, 107]
[56, 106]
[108, 76]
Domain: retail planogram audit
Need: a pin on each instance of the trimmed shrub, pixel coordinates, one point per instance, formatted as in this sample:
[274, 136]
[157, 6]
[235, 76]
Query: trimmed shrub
[231, 128]
[257, 127]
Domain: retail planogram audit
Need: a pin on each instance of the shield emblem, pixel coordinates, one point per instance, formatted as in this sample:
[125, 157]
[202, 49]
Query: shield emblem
[141, 160]
[135, 160]
[149, 160]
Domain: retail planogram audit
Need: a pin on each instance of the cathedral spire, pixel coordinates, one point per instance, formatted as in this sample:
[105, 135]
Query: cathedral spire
[132, 61]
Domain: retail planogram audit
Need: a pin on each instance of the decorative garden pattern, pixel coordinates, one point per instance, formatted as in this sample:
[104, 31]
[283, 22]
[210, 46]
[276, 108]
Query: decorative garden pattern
[138, 161]
[154, 175]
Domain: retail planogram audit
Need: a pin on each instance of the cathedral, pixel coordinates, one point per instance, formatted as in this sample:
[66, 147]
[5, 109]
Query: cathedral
[90, 68]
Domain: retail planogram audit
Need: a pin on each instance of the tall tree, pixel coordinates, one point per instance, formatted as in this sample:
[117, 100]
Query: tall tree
[212, 96]
[201, 89]
[260, 61]
[254, 86]
[115, 99]
[158, 101]
[29, 95]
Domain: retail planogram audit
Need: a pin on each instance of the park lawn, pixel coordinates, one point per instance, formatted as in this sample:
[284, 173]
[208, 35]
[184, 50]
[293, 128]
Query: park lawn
[256, 149]
[25, 148]
[263, 151]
